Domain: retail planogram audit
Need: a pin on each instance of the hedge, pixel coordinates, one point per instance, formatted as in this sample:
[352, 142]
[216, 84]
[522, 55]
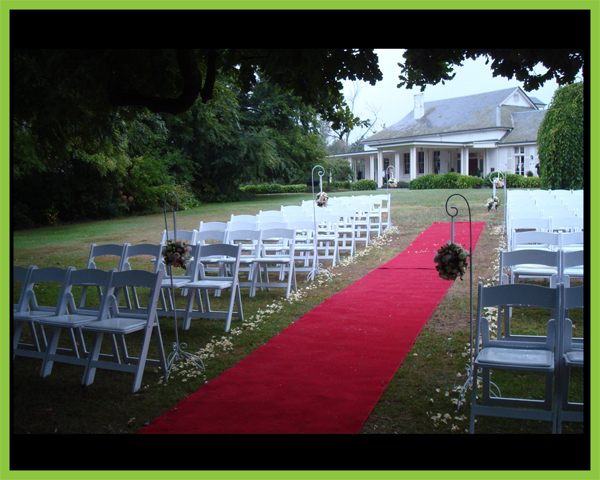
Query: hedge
[515, 181]
[447, 180]
[273, 188]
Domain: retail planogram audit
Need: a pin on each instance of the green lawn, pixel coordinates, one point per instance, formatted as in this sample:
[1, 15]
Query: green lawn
[420, 398]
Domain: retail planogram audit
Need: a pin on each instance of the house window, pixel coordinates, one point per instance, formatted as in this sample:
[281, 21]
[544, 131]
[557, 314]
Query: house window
[520, 160]
[407, 164]
[421, 159]
[436, 162]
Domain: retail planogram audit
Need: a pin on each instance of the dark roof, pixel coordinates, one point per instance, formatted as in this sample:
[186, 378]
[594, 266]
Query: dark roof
[472, 112]
[526, 126]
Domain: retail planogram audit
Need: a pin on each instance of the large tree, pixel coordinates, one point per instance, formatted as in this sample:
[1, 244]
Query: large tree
[561, 140]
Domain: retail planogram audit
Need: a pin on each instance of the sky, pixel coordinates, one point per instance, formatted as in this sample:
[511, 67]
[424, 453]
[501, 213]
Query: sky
[393, 103]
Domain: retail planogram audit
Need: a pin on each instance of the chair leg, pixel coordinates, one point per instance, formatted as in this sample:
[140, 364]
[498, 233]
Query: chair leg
[47, 363]
[90, 368]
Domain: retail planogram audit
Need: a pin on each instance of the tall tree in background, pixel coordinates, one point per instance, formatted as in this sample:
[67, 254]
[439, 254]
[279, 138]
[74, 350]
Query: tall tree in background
[561, 140]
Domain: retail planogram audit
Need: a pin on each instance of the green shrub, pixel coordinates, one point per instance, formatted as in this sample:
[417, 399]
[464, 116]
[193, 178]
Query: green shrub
[267, 188]
[363, 185]
[450, 180]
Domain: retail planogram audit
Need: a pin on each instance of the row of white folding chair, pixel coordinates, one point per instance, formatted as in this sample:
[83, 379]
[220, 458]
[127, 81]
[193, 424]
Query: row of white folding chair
[555, 266]
[551, 357]
[107, 318]
[541, 240]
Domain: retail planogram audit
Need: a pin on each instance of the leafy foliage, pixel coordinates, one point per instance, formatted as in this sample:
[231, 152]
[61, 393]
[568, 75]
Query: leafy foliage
[446, 180]
[561, 140]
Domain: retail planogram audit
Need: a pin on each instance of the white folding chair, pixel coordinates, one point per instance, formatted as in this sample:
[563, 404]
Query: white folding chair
[250, 241]
[114, 322]
[277, 248]
[305, 249]
[530, 264]
[571, 355]
[385, 209]
[516, 356]
[535, 240]
[19, 280]
[28, 311]
[346, 230]
[202, 283]
[327, 237]
[177, 281]
[140, 254]
[107, 253]
[570, 241]
[571, 266]
[76, 318]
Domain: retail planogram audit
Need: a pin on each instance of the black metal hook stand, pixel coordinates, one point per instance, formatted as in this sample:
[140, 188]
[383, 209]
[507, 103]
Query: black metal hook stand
[178, 352]
[469, 375]
[316, 270]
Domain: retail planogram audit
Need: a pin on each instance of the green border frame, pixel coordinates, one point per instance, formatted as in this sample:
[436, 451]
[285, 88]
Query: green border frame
[593, 73]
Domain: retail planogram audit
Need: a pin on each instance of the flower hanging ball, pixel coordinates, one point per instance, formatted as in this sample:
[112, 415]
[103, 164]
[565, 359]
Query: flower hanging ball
[493, 204]
[176, 253]
[452, 261]
[322, 199]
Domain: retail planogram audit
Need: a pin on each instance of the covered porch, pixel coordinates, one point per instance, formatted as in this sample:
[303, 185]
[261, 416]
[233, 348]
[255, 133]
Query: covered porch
[409, 161]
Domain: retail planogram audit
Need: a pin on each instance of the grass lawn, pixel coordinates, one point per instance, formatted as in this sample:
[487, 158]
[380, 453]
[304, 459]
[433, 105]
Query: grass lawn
[419, 399]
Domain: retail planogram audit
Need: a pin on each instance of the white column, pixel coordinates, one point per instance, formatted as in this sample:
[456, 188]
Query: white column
[379, 168]
[372, 167]
[464, 161]
[397, 165]
[413, 163]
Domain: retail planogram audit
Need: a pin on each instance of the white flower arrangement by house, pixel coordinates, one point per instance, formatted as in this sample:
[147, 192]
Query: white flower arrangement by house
[499, 183]
[392, 183]
[452, 261]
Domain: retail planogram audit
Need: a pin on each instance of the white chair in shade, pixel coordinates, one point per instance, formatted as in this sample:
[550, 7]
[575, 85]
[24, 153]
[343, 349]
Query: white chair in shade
[571, 355]
[516, 356]
[28, 311]
[76, 317]
[203, 282]
[116, 323]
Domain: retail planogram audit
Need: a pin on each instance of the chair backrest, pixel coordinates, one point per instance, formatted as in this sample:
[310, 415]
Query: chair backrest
[211, 236]
[217, 250]
[567, 224]
[293, 210]
[571, 239]
[53, 275]
[249, 239]
[519, 295]
[242, 218]
[281, 236]
[231, 226]
[151, 252]
[530, 257]
[140, 279]
[211, 226]
[20, 274]
[534, 239]
[87, 277]
[107, 250]
[268, 225]
[270, 216]
[187, 236]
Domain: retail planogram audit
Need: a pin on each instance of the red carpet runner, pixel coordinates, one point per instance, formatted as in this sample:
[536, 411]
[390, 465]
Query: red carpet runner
[325, 372]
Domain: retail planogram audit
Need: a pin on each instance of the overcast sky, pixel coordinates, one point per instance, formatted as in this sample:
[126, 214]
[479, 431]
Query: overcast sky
[394, 103]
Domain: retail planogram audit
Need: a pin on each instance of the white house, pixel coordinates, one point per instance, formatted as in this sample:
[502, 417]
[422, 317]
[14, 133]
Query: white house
[488, 131]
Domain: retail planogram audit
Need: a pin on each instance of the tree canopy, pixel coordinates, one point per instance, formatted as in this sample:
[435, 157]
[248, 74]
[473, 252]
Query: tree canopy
[424, 67]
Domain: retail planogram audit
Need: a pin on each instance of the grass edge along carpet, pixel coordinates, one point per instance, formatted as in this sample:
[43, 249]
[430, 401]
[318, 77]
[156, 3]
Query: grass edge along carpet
[325, 373]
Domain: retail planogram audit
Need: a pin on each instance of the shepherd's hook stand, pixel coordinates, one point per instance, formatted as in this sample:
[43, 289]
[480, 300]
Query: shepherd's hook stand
[468, 376]
[316, 270]
[178, 353]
